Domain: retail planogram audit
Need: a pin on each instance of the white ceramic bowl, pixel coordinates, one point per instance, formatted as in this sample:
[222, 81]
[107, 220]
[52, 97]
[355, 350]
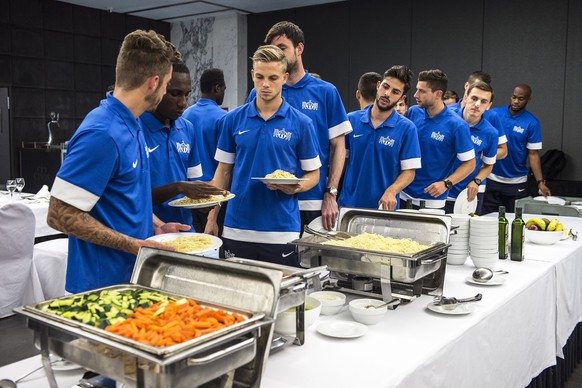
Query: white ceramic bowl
[488, 262]
[367, 316]
[285, 321]
[455, 259]
[331, 301]
[543, 237]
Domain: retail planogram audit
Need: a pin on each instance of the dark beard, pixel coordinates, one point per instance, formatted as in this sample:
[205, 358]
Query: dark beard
[385, 108]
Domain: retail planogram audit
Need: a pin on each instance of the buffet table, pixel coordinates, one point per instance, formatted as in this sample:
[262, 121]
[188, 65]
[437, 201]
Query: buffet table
[40, 209]
[514, 333]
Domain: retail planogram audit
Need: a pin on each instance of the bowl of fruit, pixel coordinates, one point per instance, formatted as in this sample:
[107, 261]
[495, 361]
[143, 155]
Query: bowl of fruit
[544, 231]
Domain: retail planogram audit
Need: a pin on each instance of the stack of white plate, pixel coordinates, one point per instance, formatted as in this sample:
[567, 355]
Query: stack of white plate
[484, 241]
[459, 249]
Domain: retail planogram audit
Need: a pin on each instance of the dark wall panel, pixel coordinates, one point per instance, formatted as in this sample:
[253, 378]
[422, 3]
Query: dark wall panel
[60, 75]
[572, 139]
[59, 45]
[26, 13]
[27, 42]
[531, 52]
[28, 72]
[58, 16]
[448, 38]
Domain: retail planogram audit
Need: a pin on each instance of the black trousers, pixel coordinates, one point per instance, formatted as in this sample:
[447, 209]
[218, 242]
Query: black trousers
[285, 254]
[502, 194]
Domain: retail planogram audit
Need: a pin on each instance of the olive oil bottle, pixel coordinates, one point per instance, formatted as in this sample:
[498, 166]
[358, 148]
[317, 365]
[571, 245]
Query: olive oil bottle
[504, 245]
[517, 235]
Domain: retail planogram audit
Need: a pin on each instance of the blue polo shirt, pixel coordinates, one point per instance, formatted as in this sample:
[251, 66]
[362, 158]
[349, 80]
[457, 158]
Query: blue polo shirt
[523, 133]
[485, 139]
[258, 147]
[107, 174]
[173, 158]
[321, 102]
[443, 139]
[489, 115]
[377, 156]
[204, 115]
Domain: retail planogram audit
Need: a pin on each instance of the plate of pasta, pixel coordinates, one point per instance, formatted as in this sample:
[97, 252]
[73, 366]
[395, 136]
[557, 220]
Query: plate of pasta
[189, 203]
[189, 242]
[280, 177]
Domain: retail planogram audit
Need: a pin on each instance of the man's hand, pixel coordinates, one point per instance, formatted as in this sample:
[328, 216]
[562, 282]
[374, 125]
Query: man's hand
[388, 201]
[436, 189]
[544, 190]
[287, 189]
[199, 189]
[472, 190]
[171, 227]
[329, 211]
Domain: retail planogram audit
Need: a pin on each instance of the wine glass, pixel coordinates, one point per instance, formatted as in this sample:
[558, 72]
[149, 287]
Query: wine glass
[11, 186]
[19, 186]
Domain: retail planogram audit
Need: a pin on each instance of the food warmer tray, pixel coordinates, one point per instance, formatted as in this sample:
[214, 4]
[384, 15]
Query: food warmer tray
[237, 355]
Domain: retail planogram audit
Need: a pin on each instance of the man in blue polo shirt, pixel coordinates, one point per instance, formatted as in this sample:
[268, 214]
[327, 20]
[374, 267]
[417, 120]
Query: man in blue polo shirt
[383, 148]
[256, 139]
[205, 115]
[485, 140]
[444, 137]
[508, 181]
[171, 143]
[321, 102]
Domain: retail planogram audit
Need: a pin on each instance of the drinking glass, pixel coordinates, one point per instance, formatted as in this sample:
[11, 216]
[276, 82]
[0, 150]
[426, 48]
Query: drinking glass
[19, 186]
[11, 186]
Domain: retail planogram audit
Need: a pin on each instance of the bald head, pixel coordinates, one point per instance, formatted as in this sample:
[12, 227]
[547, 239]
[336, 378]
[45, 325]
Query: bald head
[519, 98]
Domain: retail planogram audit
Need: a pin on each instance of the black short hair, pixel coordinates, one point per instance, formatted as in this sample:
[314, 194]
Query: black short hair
[367, 85]
[401, 73]
[180, 67]
[290, 30]
[479, 75]
[210, 78]
[435, 79]
[452, 94]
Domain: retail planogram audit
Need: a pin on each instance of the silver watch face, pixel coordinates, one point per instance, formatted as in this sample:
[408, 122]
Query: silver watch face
[332, 191]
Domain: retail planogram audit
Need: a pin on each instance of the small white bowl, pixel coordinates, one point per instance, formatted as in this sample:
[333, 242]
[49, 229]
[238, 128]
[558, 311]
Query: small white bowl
[331, 301]
[285, 321]
[367, 316]
[543, 237]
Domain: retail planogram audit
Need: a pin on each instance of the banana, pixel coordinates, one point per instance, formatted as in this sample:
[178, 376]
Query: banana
[552, 225]
[538, 222]
[547, 221]
[559, 227]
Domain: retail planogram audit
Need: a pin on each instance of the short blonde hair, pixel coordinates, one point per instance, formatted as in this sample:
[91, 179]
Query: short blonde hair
[270, 53]
[143, 54]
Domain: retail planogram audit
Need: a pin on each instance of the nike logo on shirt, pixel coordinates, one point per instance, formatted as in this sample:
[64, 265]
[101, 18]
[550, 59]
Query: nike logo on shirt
[358, 135]
[134, 164]
[241, 132]
[150, 150]
[287, 254]
[520, 190]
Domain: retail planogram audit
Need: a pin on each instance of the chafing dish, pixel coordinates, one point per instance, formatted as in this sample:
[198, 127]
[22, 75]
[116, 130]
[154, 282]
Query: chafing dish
[235, 356]
[395, 276]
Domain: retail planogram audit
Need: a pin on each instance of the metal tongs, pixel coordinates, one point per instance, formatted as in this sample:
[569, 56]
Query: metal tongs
[332, 235]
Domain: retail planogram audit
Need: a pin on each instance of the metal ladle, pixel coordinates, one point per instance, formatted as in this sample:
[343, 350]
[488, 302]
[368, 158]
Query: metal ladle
[483, 275]
[451, 303]
[337, 235]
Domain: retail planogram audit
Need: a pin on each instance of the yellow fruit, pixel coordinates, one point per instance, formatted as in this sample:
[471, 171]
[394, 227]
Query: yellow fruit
[536, 221]
[559, 227]
[552, 225]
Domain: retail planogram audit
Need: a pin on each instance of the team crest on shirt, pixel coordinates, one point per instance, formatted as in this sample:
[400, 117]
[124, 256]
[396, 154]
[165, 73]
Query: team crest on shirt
[183, 148]
[437, 136]
[309, 105]
[518, 129]
[282, 134]
[387, 141]
[476, 140]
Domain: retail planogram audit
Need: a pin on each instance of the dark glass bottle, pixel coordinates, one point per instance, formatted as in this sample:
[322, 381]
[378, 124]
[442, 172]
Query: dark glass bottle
[409, 203]
[504, 246]
[517, 235]
[422, 204]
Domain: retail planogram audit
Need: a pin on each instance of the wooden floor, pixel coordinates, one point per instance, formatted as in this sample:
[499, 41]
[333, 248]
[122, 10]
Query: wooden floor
[17, 343]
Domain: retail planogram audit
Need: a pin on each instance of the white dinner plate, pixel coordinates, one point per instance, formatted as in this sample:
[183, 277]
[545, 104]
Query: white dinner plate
[202, 204]
[280, 181]
[462, 204]
[551, 200]
[342, 329]
[495, 281]
[461, 309]
[165, 237]
[59, 364]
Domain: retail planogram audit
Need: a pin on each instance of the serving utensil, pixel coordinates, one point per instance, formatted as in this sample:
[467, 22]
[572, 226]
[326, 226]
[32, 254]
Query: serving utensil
[483, 275]
[334, 234]
[451, 303]
[377, 306]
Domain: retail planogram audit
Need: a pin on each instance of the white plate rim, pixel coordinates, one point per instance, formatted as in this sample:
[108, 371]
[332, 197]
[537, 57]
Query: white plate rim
[468, 309]
[326, 328]
[280, 181]
[201, 205]
[66, 365]
[495, 281]
[216, 242]
[462, 204]
[552, 200]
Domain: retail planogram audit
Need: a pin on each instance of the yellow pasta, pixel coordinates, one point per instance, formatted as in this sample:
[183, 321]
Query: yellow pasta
[189, 243]
[376, 242]
[190, 201]
[280, 174]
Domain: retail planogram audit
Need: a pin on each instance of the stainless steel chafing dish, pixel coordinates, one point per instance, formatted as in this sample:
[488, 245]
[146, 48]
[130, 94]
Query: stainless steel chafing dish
[235, 356]
[395, 276]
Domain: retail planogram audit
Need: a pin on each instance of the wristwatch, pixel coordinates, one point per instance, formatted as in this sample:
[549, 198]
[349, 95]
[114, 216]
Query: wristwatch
[448, 184]
[331, 191]
[477, 181]
[542, 181]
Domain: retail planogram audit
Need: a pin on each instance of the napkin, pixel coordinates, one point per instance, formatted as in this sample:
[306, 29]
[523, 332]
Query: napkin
[43, 193]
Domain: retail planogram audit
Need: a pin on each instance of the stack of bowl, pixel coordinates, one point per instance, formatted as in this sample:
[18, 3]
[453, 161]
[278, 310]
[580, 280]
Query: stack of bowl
[331, 301]
[484, 241]
[459, 240]
[285, 321]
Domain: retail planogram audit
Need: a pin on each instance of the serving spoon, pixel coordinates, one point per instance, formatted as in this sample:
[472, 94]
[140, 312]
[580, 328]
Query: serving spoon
[483, 275]
[334, 234]
[451, 303]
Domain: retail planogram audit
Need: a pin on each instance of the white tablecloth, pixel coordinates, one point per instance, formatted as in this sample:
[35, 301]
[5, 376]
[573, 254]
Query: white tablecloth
[40, 209]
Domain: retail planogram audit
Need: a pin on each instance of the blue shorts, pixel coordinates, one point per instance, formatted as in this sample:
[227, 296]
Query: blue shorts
[285, 254]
